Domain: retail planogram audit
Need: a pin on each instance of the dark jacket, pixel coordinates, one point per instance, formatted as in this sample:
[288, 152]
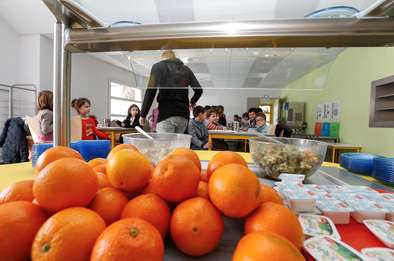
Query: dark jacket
[13, 141]
[199, 134]
[172, 78]
[222, 120]
[128, 124]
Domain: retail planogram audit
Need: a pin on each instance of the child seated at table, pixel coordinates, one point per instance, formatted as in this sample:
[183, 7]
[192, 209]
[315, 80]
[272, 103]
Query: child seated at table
[261, 123]
[133, 117]
[89, 130]
[213, 120]
[45, 116]
[198, 130]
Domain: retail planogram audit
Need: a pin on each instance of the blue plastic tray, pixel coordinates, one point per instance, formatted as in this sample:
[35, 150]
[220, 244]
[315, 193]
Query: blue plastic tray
[361, 163]
[383, 169]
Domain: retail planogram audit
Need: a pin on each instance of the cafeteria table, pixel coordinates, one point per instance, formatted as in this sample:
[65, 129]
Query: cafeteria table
[231, 135]
[336, 149]
[113, 131]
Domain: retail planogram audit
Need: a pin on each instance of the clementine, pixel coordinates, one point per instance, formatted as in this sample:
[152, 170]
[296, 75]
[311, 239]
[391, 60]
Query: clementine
[129, 170]
[196, 226]
[192, 155]
[19, 191]
[109, 203]
[268, 194]
[130, 239]
[175, 178]
[234, 190]
[266, 246]
[68, 235]
[121, 147]
[101, 168]
[202, 190]
[19, 223]
[151, 208]
[103, 180]
[97, 161]
[55, 153]
[203, 176]
[64, 183]
[224, 158]
[278, 219]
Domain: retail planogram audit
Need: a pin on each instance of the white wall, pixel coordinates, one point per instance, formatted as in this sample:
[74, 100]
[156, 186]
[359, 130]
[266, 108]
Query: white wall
[29, 59]
[46, 63]
[90, 78]
[8, 53]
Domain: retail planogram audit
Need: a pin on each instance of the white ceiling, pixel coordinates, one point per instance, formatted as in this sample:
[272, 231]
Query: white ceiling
[267, 68]
[217, 68]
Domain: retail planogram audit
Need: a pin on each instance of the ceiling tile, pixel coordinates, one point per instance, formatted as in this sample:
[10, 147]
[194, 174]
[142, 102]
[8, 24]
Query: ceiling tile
[252, 82]
[175, 11]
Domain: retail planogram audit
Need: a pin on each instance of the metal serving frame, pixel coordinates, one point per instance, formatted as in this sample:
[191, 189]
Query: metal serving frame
[77, 30]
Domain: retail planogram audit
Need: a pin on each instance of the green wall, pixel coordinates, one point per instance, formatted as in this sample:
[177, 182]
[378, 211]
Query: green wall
[348, 80]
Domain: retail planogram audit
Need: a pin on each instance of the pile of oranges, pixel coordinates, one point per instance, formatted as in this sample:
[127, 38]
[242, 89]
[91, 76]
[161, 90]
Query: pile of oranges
[122, 208]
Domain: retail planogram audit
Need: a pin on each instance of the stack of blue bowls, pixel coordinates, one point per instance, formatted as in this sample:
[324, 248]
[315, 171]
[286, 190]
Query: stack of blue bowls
[383, 169]
[360, 163]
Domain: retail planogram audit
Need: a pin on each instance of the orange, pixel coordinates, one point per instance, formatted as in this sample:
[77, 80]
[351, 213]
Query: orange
[130, 239]
[266, 246]
[224, 158]
[19, 223]
[53, 154]
[203, 176]
[188, 153]
[103, 180]
[268, 194]
[21, 190]
[175, 178]
[278, 219]
[67, 182]
[129, 170]
[68, 235]
[109, 203]
[196, 227]
[121, 147]
[151, 208]
[97, 161]
[234, 190]
[202, 190]
[101, 168]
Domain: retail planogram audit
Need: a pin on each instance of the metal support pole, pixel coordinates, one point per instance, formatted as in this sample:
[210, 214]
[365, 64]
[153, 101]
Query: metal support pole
[61, 88]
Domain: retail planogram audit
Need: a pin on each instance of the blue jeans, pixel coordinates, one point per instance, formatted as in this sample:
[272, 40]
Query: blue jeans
[173, 124]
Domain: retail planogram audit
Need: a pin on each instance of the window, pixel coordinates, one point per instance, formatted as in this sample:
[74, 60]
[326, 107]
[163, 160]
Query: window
[121, 97]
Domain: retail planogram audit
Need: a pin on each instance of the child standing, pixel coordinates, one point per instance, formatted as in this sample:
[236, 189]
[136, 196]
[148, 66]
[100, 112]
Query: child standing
[261, 123]
[89, 130]
[198, 131]
[133, 117]
[213, 120]
[45, 116]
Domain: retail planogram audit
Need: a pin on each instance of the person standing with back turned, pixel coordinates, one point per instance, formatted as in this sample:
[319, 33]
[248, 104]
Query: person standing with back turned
[172, 78]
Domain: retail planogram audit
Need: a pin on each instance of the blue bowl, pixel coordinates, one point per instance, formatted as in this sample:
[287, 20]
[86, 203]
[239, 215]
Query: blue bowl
[383, 169]
[361, 163]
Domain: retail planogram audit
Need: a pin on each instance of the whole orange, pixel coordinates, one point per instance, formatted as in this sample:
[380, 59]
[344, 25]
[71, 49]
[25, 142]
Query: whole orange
[151, 208]
[108, 203]
[202, 190]
[64, 183]
[130, 239]
[278, 219]
[224, 158]
[175, 178]
[121, 147]
[68, 235]
[234, 190]
[192, 155]
[268, 194]
[129, 170]
[196, 226]
[203, 176]
[19, 191]
[266, 246]
[55, 153]
[101, 168]
[103, 180]
[19, 223]
[97, 161]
